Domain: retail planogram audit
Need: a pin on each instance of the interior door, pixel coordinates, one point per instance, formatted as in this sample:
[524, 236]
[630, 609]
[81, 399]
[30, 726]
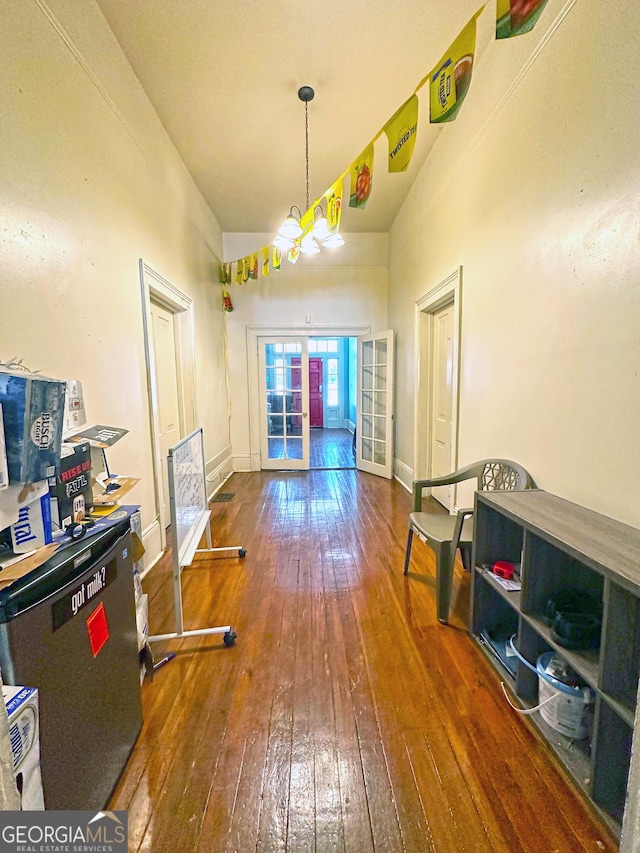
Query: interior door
[164, 351]
[315, 393]
[284, 403]
[375, 404]
[442, 403]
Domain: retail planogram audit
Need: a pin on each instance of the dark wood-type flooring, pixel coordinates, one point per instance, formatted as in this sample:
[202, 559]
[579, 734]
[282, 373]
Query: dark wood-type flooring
[331, 448]
[345, 718]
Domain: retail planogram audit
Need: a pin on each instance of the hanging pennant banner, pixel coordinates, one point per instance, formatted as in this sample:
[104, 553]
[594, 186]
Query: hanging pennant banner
[276, 258]
[253, 267]
[265, 262]
[450, 79]
[515, 17]
[401, 132]
[333, 197]
[293, 254]
[361, 178]
[238, 272]
[306, 220]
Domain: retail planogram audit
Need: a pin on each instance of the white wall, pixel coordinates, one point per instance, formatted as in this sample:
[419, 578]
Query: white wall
[337, 289]
[89, 184]
[535, 191]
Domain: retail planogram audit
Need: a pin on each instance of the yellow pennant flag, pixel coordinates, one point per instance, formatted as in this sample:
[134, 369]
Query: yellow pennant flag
[334, 205]
[253, 267]
[293, 254]
[361, 178]
[306, 220]
[238, 272]
[515, 17]
[265, 262]
[449, 81]
[276, 258]
[245, 270]
[401, 132]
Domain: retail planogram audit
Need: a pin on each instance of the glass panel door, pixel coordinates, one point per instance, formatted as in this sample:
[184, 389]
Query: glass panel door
[375, 404]
[284, 403]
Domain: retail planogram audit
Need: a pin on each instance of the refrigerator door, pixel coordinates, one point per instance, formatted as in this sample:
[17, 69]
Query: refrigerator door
[77, 644]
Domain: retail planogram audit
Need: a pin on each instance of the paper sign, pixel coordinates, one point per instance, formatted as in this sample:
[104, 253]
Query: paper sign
[98, 629]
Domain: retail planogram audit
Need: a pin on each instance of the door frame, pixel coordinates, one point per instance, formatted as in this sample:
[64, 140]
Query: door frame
[447, 292]
[155, 288]
[253, 333]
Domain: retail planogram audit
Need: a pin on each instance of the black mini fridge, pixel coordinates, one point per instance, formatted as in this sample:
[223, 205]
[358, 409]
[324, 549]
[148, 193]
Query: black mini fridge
[69, 629]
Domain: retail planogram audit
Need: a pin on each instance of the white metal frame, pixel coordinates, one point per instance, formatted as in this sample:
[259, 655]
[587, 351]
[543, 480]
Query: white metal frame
[181, 562]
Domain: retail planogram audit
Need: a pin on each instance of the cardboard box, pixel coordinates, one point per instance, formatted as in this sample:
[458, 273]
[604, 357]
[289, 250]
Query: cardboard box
[24, 731]
[4, 469]
[15, 497]
[33, 410]
[33, 528]
[71, 494]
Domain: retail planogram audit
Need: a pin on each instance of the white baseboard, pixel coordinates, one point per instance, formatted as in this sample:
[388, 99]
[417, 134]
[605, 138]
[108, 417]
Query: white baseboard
[349, 425]
[219, 469]
[245, 462]
[152, 547]
[403, 474]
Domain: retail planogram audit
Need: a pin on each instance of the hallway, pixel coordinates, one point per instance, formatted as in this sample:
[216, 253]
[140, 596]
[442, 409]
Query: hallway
[345, 718]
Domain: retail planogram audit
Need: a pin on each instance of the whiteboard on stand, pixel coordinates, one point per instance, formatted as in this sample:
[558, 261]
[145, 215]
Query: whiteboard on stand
[188, 496]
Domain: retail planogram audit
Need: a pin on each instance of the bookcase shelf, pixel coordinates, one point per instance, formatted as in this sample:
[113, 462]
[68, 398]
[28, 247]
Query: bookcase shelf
[561, 546]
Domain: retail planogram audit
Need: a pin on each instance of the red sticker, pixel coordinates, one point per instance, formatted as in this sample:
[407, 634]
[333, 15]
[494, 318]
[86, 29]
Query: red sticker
[98, 629]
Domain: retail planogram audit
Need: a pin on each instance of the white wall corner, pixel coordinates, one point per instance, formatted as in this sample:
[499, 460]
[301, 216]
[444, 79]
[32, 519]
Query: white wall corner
[403, 474]
[152, 543]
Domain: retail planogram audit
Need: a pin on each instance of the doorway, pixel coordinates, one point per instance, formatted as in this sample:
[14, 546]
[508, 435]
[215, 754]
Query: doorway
[167, 320]
[437, 382]
[332, 407]
[307, 401]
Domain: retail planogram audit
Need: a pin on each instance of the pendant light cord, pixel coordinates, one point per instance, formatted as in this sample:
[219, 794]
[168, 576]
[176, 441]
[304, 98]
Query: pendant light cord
[306, 134]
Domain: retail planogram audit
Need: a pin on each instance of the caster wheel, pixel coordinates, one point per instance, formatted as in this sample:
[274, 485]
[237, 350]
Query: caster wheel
[242, 552]
[229, 638]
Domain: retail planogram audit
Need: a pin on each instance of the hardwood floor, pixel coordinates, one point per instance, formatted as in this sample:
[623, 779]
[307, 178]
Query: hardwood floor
[331, 448]
[345, 718]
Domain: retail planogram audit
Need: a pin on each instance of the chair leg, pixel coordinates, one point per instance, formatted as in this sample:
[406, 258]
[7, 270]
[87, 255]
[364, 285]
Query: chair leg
[444, 581]
[407, 556]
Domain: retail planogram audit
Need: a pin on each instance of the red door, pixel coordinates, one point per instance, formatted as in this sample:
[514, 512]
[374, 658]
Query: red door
[315, 392]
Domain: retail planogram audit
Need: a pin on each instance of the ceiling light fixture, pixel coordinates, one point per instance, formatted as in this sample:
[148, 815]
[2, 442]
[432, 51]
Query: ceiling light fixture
[292, 231]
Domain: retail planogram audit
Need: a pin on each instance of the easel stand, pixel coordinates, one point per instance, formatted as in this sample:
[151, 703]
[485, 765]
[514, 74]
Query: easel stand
[190, 518]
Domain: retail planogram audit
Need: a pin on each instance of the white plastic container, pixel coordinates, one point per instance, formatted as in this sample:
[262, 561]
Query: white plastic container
[569, 712]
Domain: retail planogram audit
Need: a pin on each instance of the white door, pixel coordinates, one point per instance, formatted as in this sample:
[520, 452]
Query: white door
[375, 404]
[442, 403]
[164, 360]
[284, 403]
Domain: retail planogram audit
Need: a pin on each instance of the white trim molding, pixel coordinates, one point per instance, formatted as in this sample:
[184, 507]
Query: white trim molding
[448, 291]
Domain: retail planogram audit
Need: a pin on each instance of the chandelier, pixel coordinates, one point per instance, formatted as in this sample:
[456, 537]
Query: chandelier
[291, 233]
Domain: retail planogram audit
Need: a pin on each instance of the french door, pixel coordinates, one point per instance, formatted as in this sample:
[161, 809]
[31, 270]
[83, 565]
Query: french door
[284, 403]
[375, 404]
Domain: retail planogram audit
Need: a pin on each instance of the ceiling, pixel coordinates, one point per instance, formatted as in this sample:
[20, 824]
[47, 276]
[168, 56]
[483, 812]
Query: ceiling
[223, 77]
